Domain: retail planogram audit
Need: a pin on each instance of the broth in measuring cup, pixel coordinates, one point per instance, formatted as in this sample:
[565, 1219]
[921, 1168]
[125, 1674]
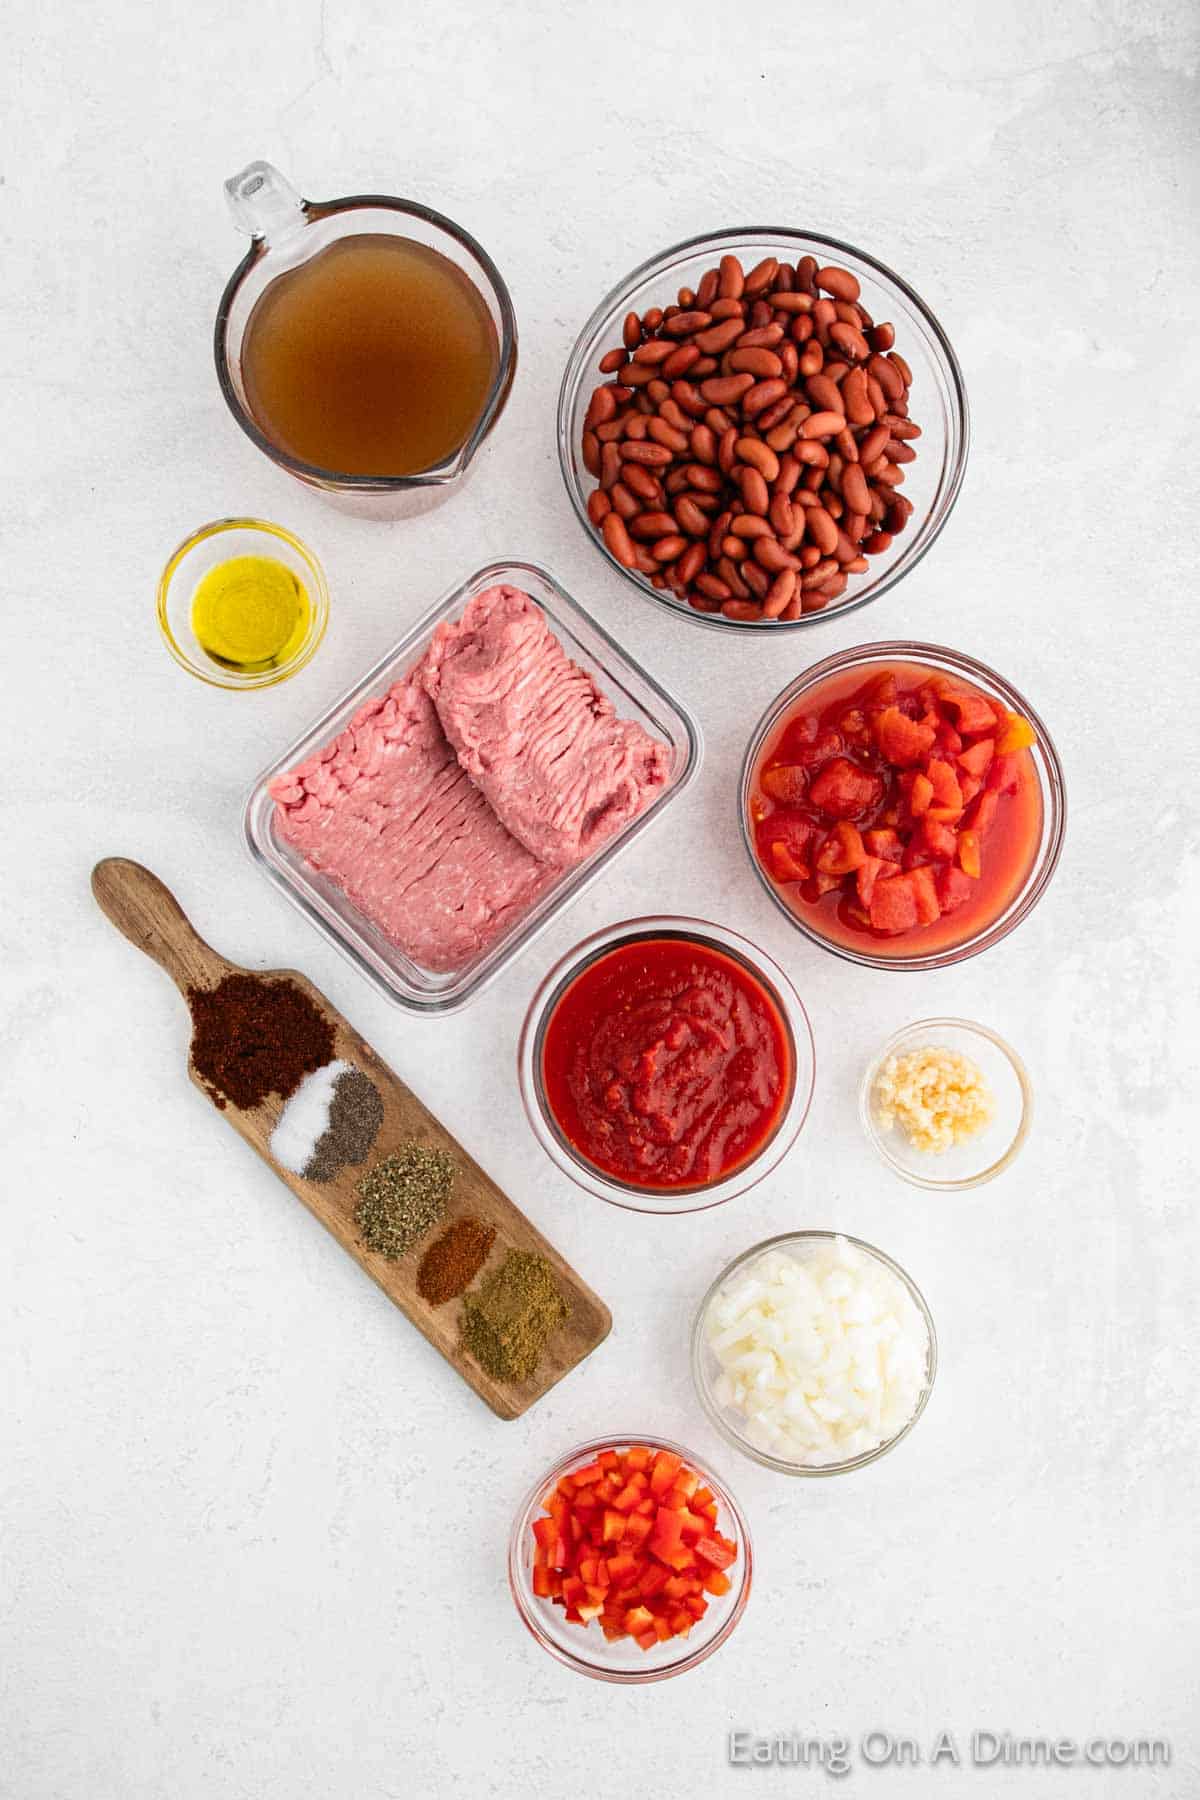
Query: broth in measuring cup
[375, 357]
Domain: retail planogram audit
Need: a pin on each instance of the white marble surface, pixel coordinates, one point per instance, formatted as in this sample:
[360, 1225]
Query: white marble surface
[253, 1530]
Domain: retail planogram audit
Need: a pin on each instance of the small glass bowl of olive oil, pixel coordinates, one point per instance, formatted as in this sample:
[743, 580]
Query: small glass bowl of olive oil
[242, 604]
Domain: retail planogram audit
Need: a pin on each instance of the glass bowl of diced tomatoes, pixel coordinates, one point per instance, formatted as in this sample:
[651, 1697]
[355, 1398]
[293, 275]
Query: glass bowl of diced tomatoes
[630, 1560]
[903, 805]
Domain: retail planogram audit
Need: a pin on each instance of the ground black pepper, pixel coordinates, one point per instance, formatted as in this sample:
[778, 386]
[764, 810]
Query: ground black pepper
[505, 1325]
[355, 1115]
[251, 1038]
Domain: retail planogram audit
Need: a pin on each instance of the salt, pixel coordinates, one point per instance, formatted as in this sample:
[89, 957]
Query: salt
[305, 1118]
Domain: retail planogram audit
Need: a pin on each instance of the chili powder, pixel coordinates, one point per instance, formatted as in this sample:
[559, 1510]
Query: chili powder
[251, 1038]
[450, 1266]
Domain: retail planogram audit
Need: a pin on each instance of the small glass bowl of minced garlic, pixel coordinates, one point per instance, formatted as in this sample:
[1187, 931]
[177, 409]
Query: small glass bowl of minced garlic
[946, 1103]
[242, 604]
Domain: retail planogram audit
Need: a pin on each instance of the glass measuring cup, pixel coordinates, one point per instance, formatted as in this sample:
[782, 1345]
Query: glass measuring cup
[286, 231]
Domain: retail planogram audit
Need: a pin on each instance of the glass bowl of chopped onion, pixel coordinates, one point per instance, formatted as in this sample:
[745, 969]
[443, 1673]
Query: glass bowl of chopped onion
[813, 1353]
[946, 1103]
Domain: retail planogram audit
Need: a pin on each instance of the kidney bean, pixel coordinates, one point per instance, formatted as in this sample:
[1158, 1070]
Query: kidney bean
[904, 429]
[760, 316]
[780, 593]
[888, 376]
[624, 501]
[675, 415]
[761, 276]
[856, 401]
[703, 443]
[825, 394]
[821, 424]
[662, 433]
[640, 481]
[747, 612]
[688, 397]
[763, 337]
[750, 525]
[754, 491]
[772, 556]
[631, 331]
[733, 548]
[855, 524]
[727, 448]
[806, 275]
[818, 576]
[782, 515]
[785, 279]
[812, 358]
[756, 578]
[617, 538]
[657, 456]
[789, 474]
[792, 303]
[771, 416]
[598, 506]
[683, 324]
[706, 288]
[882, 337]
[680, 361]
[703, 477]
[649, 525]
[729, 572]
[762, 363]
[900, 453]
[800, 329]
[610, 464]
[732, 279]
[759, 456]
[611, 361]
[877, 543]
[712, 587]
[653, 351]
[895, 361]
[690, 564]
[782, 437]
[763, 394]
[591, 453]
[723, 390]
[719, 337]
[690, 517]
[666, 549]
[838, 282]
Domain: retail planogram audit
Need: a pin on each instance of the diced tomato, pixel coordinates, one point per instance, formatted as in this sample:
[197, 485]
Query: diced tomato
[938, 839]
[883, 688]
[1003, 776]
[953, 887]
[946, 791]
[843, 790]
[884, 843]
[971, 711]
[867, 875]
[982, 811]
[969, 858]
[920, 795]
[902, 740]
[785, 838]
[893, 905]
[786, 783]
[1018, 734]
[975, 760]
[924, 890]
[824, 883]
[853, 727]
[842, 852]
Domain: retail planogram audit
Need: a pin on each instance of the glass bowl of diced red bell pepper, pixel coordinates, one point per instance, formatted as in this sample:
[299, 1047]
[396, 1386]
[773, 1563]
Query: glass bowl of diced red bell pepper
[903, 805]
[630, 1560]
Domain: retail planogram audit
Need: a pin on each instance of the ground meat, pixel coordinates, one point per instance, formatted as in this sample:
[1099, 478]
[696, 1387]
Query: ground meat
[562, 772]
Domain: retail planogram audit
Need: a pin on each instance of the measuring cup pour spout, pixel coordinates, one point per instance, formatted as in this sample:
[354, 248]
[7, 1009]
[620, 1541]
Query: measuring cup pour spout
[264, 203]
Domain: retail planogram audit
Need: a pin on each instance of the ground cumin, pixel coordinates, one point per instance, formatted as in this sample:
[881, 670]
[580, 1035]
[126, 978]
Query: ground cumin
[251, 1038]
[450, 1266]
[505, 1325]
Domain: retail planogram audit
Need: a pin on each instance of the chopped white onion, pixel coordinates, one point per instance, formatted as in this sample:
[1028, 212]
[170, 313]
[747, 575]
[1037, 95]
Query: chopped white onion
[822, 1351]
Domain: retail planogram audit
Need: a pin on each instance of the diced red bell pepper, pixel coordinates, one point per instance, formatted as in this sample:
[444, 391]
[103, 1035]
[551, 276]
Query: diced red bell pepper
[613, 1529]
[718, 1552]
[663, 1473]
[639, 1619]
[547, 1584]
[716, 1583]
[843, 790]
[903, 741]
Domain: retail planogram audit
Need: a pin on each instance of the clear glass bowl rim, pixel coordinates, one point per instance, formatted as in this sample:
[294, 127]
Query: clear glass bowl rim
[497, 395]
[692, 1199]
[1054, 796]
[877, 1138]
[524, 1600]
[718, 242]
[212, 675]
[699, 1350]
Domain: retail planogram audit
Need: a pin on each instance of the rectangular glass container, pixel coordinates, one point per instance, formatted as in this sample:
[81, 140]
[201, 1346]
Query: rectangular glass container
[634, 693]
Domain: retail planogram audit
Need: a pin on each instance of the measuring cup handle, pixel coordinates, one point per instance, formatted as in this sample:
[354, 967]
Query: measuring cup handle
[263, 203]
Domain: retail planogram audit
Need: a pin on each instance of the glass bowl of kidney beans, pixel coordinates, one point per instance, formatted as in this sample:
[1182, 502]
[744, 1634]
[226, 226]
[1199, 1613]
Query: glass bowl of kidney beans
[762, 427]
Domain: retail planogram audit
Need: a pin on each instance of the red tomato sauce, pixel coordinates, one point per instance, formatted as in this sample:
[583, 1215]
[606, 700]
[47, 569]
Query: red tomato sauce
[832, 809]
[667, 1063]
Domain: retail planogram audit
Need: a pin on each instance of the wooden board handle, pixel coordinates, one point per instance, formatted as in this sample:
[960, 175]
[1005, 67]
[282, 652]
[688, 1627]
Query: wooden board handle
[149, 915]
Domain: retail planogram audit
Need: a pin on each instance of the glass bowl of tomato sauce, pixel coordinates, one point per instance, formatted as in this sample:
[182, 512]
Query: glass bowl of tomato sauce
[606, 1647]
[666, 1064]
[903, 805]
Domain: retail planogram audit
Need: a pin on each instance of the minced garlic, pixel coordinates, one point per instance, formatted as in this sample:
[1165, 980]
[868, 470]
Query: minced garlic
[937, 1097]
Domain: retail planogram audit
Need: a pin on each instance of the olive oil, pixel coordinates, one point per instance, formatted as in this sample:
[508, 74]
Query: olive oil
[251, 613]
[375, 357]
